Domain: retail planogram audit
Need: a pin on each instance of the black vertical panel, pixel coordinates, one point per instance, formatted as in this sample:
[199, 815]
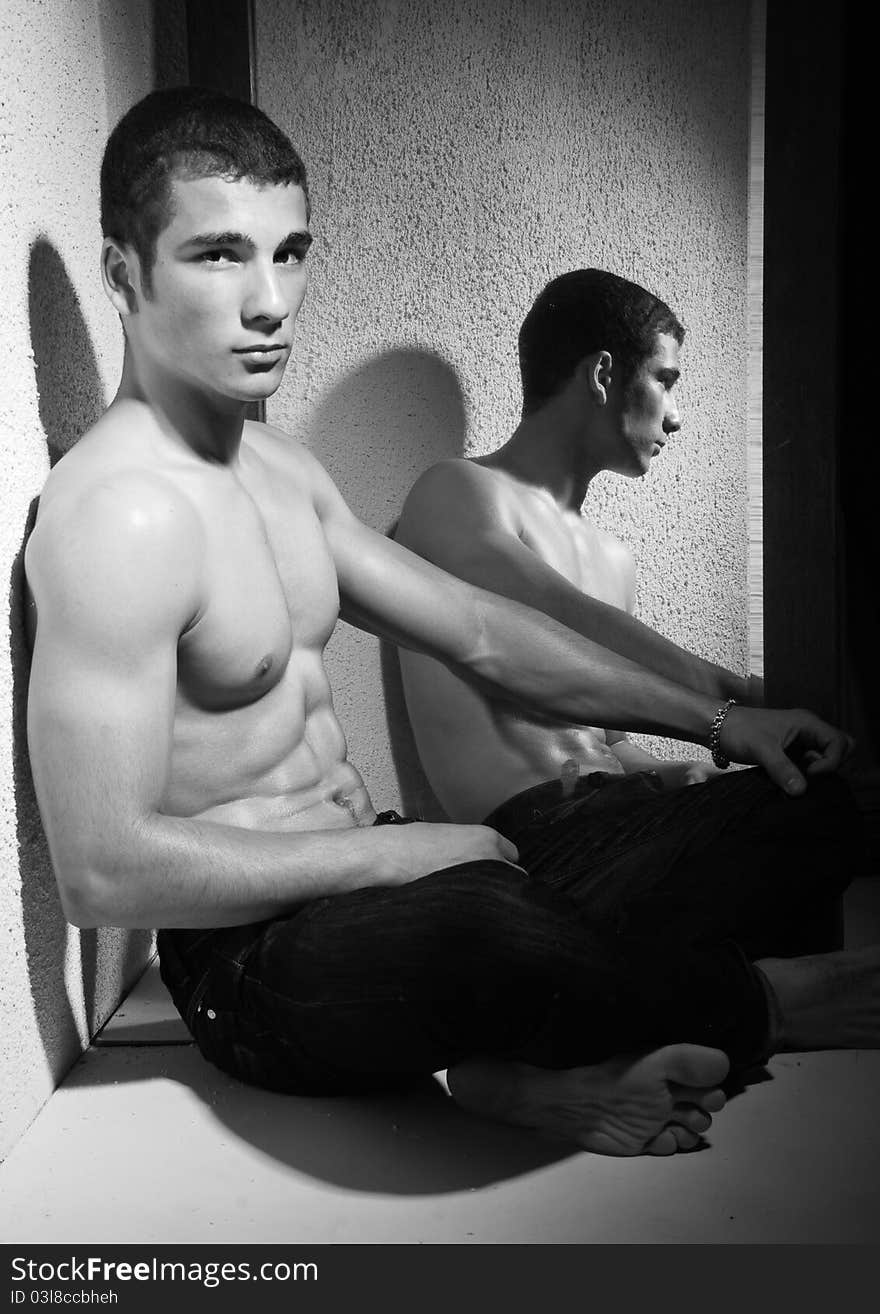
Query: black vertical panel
[859, 446]
[802, 356]
[169, 43]
[220, 46]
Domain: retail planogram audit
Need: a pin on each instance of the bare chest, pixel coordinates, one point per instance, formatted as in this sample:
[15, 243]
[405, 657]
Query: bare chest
[588, 558]
[270, 598]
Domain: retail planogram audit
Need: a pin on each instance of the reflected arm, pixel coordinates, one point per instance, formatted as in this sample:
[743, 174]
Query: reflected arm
[454, 518]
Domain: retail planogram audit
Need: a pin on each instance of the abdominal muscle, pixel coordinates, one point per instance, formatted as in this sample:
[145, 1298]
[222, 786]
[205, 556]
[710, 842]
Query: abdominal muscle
[478, 753]
[523, 755]
[278, 763]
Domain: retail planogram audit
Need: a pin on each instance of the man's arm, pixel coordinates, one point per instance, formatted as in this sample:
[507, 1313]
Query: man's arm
[632, 758]
[116, 580]
[476, 538]
[530, 658]
[672, 773]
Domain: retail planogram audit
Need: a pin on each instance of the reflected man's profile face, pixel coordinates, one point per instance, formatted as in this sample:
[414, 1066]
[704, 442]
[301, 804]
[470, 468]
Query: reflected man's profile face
[647, 409]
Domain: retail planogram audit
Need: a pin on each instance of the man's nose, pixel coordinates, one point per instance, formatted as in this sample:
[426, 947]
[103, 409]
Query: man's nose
[266, 298]
[672, 419]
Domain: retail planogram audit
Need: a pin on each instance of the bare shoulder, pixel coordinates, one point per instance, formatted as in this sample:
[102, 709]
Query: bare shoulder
[454, 496]
[287, 460]
[454, 476]
[126, 536]
[127, 505]
[277, 447]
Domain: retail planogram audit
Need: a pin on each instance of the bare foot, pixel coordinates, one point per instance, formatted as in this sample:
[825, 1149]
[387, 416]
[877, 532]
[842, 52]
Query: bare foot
[827, 1001]
[656, 1103]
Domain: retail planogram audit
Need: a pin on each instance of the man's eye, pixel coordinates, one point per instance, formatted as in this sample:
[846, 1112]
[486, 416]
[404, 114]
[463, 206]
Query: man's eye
[291, 255]
[218, 257]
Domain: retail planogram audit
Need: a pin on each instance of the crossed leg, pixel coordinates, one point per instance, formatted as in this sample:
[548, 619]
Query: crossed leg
[662, 1101]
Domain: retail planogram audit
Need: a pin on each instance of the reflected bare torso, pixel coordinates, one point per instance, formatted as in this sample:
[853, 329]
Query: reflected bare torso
[479, 751]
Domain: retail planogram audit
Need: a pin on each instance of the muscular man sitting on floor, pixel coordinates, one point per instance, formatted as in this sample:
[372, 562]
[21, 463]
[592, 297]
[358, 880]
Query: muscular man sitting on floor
[187, 569]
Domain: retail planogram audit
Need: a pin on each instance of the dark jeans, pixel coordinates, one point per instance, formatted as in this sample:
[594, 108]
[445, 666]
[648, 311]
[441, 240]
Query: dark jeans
[637, 926]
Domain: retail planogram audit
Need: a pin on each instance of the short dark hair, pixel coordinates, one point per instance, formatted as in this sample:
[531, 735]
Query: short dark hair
[184, 132]
[581, 312]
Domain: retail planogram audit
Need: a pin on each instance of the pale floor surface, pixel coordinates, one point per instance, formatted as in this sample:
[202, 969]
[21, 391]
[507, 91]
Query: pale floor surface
[145, 1142]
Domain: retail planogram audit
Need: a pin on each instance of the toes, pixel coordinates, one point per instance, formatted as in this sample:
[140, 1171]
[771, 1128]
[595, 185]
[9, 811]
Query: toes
[693, 1065]
[694, 1119]
[664, 1143]
[713, 1101]
[685, 1139]
[672, 1139]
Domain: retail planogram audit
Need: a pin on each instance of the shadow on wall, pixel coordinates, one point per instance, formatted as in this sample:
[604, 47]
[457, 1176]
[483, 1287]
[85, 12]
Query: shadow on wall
[375, 432]
[70, 399]
[69, 390]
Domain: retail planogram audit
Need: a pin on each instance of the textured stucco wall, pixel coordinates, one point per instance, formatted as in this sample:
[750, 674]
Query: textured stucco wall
[460, 155]
[60, 353]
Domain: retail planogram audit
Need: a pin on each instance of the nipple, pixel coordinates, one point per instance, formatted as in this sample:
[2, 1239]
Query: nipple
[569, 776]
[264, 667]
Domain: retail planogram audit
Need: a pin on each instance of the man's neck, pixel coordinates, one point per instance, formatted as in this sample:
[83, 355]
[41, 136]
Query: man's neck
[210, 427]
[549, 451]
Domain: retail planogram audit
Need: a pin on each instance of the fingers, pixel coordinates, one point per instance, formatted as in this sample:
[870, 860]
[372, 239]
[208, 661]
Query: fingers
[783, 772]
[790, 745]
[833, 756]
[818, 746]
[505, 850]
[509, 852]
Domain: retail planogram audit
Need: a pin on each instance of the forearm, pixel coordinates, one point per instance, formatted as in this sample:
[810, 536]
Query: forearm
[548, 669]
[186, 872]
[612, 627]
[672, 774]
[523, 578]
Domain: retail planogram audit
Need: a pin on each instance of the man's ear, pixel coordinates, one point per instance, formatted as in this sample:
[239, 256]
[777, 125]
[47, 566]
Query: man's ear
[596, 371]
[119, 275]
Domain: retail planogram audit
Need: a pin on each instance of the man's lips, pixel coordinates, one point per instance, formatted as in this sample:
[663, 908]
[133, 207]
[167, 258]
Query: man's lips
[264, 349]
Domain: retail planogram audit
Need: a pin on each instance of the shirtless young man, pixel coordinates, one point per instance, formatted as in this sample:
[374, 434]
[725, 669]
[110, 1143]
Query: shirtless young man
[187, 569]
[728, 860]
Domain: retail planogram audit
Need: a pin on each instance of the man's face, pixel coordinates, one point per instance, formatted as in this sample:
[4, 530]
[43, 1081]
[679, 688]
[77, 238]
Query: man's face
[228, 281]
[647, 413]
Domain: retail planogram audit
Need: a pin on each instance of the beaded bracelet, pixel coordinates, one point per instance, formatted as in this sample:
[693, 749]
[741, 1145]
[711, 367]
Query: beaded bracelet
[718, 757]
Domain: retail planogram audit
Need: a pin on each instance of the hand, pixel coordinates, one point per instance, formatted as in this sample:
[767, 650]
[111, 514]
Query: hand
[788, 744]
[426, 846]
